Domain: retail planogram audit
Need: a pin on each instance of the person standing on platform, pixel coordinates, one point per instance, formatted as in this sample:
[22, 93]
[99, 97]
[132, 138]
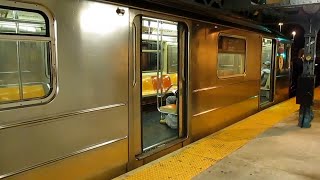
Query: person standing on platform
[305, 91]
[297, 69]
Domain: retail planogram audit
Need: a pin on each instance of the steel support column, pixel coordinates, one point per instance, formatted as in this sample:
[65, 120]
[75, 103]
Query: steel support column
[305, 112]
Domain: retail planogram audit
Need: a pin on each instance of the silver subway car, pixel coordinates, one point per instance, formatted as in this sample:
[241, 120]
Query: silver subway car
[92, 89]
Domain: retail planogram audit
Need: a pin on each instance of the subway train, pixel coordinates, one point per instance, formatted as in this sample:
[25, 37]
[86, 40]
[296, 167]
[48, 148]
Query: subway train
[97, 88]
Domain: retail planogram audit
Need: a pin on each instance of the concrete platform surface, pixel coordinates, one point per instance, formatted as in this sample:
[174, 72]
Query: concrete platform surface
[282, 152]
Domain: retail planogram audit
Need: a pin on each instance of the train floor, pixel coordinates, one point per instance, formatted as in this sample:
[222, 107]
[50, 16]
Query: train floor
[154, 132]
[267, 145]
[264, 99]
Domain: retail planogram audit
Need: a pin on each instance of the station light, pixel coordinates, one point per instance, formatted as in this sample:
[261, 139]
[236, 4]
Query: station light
[294, 34]
[280, 25]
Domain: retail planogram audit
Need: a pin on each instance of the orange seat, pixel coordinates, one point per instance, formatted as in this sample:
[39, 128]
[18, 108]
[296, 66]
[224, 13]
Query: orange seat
[166, 82]
[170, 108]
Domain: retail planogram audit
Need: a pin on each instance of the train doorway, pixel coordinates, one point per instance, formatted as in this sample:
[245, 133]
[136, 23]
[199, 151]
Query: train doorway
[160, 47]
[267, 72]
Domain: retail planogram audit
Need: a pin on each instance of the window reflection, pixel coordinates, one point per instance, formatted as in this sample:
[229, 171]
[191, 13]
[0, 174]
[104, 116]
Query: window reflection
[22, 22]
[231, 56]
[282, 63]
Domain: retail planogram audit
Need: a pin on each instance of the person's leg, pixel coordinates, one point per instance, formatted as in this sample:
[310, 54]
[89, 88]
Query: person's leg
[305, 116]
[171, 100]
[308, 117]
[301, 116]
[172, 121]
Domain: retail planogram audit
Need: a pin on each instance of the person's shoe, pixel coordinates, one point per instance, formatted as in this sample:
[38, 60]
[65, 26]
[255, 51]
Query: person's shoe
[306, 126]
[162, 121]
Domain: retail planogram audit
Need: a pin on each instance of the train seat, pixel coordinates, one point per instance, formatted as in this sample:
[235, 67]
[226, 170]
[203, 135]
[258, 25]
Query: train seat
[171, 109]
[150, 84]
[29, 92]
[33, 91]
[166, 82]
[9, 94]
[174, 78]
[147, 87]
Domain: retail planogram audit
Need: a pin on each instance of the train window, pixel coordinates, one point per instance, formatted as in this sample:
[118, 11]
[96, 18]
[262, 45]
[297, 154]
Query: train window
[25, 63]
[231, 56]
[149, 55]
[159, 39]
[172, 58]
[22, 22]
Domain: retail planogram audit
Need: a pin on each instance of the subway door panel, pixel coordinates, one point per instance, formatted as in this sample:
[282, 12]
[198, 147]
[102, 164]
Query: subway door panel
[89, 135]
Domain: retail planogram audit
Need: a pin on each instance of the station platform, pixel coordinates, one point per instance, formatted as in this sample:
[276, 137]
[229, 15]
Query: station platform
[267, 145]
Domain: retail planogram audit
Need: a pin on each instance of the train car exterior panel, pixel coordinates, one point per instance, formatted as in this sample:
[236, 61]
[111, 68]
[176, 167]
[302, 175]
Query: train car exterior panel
[105, 162]
[90, 107]
[213, 97]
[282, 85]
[222, 96]
[211, 121]
[202, 55]
[42, 142]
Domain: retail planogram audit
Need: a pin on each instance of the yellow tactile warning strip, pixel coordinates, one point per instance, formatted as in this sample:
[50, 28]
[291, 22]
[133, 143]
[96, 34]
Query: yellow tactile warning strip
[197, 157]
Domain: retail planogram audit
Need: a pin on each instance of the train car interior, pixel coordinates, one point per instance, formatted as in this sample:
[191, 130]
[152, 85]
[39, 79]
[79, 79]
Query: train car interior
[266, 86]
[24, 70]
[159, 81]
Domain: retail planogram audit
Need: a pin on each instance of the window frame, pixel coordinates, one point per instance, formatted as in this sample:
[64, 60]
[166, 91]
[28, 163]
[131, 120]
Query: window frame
[168, 64]
[162, 66]
[245, 57]
[49, 38]
[150, 71]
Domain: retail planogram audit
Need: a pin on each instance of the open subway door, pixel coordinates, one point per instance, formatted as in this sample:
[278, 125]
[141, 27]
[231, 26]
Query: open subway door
[275, 71]
[267, 71]
[159, 85]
